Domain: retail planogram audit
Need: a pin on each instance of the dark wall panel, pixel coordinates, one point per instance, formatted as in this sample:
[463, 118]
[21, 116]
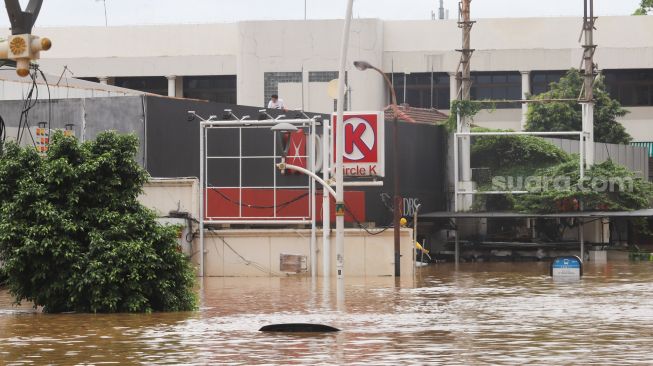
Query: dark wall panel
[173, 151]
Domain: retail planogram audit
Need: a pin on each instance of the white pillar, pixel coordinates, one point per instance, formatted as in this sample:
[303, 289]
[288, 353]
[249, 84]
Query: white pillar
[104, 80]
[525, 91]
[172, 85]
[453, 87]
[588, 129]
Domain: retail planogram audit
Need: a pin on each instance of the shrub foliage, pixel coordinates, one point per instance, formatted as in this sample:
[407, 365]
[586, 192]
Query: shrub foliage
[73, 236]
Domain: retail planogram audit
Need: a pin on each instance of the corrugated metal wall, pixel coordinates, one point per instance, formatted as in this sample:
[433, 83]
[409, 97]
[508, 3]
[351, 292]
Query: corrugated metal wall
[634, 158]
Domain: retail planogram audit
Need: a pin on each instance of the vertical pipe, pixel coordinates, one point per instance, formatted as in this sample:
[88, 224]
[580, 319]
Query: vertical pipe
[405, 84]
[582, 240]
[397, 206]
[202, 194]
[582, 150]
[457, 245]
[340, 142]
[240, 172]
[313, 245]
[274, 176]
[432, 84]
[326, 200]
[455, 172]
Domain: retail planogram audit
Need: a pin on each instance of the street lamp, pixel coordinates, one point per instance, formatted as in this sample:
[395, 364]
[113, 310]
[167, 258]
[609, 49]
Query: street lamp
[396, 208]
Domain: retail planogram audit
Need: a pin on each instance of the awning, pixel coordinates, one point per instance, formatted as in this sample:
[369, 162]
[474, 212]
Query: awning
[518, 215]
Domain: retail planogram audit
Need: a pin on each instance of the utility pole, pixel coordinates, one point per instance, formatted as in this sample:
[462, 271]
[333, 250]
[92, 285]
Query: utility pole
[340, 151]
[465, 82]
[588, 98]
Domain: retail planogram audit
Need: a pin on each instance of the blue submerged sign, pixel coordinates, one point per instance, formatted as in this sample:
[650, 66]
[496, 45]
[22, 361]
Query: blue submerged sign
[567, 268]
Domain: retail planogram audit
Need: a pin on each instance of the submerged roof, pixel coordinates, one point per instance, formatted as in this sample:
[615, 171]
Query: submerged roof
[648, 212]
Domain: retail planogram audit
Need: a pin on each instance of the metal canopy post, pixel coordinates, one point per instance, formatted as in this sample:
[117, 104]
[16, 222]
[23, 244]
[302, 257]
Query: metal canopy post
[581, 235]
[326, 201]
[202, 197]
[313, 246]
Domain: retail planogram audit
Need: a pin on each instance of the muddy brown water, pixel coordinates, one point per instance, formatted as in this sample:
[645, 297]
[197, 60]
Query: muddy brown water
[510, 313]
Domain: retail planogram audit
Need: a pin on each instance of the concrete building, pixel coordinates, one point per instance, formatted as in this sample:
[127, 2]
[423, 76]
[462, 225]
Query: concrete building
[246, 62]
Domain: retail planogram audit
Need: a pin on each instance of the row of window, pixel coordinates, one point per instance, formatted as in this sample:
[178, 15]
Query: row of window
[219, 88]
[431, 90]
[424, 90]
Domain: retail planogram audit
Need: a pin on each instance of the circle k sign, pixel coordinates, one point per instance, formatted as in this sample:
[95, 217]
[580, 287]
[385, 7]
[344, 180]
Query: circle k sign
[364, 144]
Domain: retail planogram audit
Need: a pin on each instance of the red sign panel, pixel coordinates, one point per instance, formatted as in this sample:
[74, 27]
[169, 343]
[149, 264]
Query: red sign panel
[364, 144]
[297, 151]
[258, 204]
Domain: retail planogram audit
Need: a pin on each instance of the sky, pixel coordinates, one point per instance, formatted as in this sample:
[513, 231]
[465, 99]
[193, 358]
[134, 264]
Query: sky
[135, 12]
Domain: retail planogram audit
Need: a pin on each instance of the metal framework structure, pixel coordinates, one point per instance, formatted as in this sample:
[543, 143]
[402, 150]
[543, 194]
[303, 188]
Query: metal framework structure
[241, 124]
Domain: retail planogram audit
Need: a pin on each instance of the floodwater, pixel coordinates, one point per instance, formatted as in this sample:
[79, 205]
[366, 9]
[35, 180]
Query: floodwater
[509, 313]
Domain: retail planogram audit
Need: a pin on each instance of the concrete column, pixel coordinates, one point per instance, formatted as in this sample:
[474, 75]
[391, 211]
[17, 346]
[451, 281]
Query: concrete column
[172, 85]
[525, 91]
[104, 80]
[179, 87]
[453, 87]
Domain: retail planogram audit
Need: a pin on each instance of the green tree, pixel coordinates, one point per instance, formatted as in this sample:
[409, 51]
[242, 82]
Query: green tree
[73, 236]
[644, 7]
[567, 115]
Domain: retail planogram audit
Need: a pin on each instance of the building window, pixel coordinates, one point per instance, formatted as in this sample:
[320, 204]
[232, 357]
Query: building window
[322, 76]
[147, 84]
[271, 82]
[219, 88]
[422, 89]
[541, 80]
[497, 86]
[632, 88]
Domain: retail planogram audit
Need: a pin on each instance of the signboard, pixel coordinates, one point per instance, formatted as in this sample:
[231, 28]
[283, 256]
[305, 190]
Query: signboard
[567, 268]
[364, 154]
[297, 153]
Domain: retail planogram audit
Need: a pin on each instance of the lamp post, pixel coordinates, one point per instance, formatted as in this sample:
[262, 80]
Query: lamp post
[396, 208]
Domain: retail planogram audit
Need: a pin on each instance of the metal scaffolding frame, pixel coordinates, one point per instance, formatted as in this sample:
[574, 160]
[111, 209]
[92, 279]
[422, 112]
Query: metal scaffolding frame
[240, 125]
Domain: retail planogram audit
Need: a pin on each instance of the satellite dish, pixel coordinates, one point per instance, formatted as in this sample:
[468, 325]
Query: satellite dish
[332, 89]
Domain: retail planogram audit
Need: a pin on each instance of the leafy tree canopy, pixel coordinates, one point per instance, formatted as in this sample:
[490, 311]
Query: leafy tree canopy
[73, 236]
[567, 116]
[644, 7]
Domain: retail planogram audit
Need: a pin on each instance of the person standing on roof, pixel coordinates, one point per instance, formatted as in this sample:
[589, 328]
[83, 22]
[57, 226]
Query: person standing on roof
[276, 103]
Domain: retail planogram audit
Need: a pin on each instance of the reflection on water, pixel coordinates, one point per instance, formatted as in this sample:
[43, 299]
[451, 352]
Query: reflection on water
[484, 313]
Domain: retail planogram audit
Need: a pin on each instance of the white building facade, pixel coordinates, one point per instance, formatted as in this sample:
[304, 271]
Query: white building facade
[246, 62]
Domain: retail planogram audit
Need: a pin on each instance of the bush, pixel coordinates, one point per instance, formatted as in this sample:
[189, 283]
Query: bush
[504, 154]
[74, 236]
